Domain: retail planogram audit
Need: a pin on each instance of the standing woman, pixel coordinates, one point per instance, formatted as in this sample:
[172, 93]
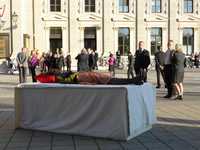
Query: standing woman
[179, 64]
[111, 63]
[33, 62]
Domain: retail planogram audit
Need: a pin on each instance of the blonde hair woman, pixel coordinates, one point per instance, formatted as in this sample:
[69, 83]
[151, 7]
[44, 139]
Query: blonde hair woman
[179, 64]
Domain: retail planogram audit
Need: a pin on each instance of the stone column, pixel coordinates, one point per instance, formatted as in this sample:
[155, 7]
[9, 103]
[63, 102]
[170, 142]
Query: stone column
[47, 34]
[82, 29]
[196, 40]
[115, 39]
[132, 40]
[172, 28]
[140, 25]
[164, 38]
[180, 40]
[99, 39]
[148, 44]
[64, 40]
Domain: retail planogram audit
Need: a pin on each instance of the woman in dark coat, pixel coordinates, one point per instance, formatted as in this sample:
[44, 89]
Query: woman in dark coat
[179, 64]
[82, 58]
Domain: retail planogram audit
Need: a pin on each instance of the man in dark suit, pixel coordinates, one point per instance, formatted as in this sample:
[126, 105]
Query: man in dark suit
[96, 57]
[159, 60]
[91, 60]
[130, 65]
[142, 61]
[169, 69]
[22, 61]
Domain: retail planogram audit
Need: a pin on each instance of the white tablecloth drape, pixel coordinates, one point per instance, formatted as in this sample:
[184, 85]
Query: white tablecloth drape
[116, 112]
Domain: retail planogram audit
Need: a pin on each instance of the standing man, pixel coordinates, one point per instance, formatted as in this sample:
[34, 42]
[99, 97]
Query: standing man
[96, 56]
[22, 61]
[91, 60]
[142, 61]
[159, 60]
[169, 68]
[68, 62]
[118, 57]
[130, 65]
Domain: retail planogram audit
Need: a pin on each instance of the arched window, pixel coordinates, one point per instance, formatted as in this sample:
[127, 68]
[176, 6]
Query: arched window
[55, 5]
[89, 5]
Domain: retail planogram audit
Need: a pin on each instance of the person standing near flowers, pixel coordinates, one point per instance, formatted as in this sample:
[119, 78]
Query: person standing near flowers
[22, 65]
[33, 62]
[111, 63]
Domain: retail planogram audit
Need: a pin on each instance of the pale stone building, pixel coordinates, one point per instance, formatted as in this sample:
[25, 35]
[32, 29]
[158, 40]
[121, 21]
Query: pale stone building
[104, 25]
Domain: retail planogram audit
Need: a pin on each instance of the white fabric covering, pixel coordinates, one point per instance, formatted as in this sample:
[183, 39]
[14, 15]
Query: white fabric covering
[117, 112]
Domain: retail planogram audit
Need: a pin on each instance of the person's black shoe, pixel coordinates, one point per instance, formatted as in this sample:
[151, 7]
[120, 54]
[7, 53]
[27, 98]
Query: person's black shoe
[157, 87]
[176, 97]
[167, 96]
[180, 97]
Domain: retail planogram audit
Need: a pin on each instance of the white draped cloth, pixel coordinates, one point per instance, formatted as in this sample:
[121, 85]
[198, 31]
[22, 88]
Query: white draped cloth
[117, 112]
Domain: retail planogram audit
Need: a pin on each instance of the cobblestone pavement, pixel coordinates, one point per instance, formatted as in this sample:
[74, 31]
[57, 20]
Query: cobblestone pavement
[178, 126]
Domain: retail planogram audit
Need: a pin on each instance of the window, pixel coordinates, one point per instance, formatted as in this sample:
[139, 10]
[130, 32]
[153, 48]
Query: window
[89, 5]
[90, 38]
[156, 6]
[188, 6]
[188, 40]
[123, 6]
[55, 38]
[124, 41]
[156, 39]
[55, 5]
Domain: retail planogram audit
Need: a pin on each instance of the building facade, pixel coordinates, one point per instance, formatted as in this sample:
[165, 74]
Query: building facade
[104, 25]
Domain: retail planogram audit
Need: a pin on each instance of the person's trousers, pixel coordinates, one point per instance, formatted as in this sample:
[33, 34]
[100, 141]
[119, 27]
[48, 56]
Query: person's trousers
[142, 74]
[130, 72]
[22, 74]
[33, 74]
[168, 74]
[158, 72]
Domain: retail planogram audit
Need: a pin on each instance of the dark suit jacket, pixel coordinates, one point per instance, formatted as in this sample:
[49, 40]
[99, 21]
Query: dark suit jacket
[159, 59]
[142, 59]
[91, 60]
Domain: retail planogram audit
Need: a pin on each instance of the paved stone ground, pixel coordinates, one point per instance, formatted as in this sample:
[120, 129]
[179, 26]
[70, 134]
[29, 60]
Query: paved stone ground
[178, 125]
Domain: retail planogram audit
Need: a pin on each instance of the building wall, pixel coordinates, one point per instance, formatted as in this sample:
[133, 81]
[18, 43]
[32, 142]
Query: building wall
[107, 20]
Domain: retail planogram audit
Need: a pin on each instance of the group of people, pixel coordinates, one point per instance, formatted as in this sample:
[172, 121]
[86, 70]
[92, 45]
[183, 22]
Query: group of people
[195, 59]
[138, 63]
[87, 60]
[51, 62]
[170, 65]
